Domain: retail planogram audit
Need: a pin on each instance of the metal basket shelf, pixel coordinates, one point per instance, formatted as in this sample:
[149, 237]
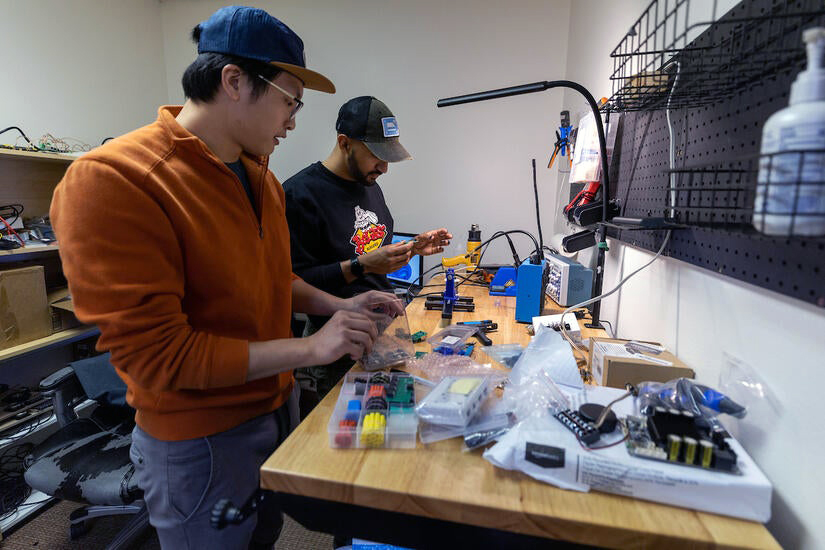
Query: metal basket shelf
[672, 59]
[735, 194]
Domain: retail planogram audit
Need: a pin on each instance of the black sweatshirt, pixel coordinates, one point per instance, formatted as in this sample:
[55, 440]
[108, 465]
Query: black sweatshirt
[331, 220]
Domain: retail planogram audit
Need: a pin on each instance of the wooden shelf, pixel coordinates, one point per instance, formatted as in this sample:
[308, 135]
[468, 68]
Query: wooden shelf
[20, 254]
[31, 155]
[57, 339]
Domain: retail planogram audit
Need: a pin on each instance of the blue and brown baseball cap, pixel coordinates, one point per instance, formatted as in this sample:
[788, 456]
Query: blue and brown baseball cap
[368, 120]
[254, 34]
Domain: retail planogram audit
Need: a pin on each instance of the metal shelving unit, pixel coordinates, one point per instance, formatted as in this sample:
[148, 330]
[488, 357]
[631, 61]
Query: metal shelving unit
[29, 178]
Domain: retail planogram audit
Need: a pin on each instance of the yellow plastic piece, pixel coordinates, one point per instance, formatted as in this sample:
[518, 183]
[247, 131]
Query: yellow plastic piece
[372, 429]
[464, 385]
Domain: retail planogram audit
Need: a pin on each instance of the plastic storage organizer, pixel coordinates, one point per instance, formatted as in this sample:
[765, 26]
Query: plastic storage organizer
[374, 410]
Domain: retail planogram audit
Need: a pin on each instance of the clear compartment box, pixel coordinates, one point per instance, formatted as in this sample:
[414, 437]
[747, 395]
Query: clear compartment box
[374, 410]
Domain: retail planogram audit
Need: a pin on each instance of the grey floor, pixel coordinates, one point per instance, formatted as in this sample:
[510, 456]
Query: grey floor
[50, 530]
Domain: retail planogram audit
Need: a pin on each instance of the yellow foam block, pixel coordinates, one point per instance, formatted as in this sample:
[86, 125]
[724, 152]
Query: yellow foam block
[465, 385]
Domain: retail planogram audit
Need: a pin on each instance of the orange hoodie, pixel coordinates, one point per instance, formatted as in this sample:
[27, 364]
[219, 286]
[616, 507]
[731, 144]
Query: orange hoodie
[164, 253]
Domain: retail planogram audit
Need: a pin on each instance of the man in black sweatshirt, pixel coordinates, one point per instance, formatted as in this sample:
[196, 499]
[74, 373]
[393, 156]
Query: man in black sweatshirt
[340, 226]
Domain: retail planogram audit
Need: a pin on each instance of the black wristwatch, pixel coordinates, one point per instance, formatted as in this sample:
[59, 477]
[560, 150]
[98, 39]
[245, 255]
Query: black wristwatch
[356, 268]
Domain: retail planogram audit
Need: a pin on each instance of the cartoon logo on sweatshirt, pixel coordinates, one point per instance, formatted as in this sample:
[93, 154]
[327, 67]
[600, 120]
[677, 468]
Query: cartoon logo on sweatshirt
[369, 234]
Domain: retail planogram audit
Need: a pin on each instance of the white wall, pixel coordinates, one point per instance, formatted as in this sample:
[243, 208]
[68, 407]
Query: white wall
[471, 163]
[85, 69]
[714, 322]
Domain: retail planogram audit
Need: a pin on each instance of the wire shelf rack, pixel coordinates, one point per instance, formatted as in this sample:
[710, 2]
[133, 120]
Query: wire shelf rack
[683, 54]
[775, 194]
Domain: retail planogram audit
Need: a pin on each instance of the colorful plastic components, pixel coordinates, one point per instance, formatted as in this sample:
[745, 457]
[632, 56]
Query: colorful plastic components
[372, 430]
[348, 424]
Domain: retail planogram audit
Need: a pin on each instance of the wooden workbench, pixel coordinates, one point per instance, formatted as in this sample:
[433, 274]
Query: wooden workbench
[428, 496]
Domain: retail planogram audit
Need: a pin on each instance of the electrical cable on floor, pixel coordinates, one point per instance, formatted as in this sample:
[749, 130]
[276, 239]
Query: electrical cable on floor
[13, 488]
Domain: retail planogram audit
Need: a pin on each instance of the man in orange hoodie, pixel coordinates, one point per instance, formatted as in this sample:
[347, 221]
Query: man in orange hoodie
[174, 242]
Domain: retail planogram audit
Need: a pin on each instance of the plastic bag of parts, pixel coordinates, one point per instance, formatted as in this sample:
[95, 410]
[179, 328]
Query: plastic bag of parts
[492, 420]
[547, 352]
[487, 428]
[537, 393]
[683, 394]
[455, 400]
[435, 367]
[505, 354]
[394, 346]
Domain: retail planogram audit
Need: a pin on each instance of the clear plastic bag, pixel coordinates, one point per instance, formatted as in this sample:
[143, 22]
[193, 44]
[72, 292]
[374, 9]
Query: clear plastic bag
[683, 394]
[435, 367]
[547, 352]
[537, 393]
[505, 354]
[454, 401]
[492, 420]
[394, 346]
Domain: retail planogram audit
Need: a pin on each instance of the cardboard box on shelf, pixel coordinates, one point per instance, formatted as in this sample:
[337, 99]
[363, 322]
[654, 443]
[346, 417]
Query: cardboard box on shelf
[24, 311]
[62, 310]
[613, 365]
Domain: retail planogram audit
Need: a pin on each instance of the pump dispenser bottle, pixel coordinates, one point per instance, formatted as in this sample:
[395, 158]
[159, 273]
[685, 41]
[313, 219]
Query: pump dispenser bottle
[790, 191]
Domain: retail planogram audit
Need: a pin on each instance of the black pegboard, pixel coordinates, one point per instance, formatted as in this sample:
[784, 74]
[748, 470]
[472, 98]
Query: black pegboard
[717, 146]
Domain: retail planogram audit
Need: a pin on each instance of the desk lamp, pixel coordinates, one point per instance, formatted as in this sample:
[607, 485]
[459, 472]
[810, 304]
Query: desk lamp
[540, 87]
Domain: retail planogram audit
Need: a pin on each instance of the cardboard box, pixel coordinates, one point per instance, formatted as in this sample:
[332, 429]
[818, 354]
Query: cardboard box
[613, 366]
[62, 310]
[24, 311]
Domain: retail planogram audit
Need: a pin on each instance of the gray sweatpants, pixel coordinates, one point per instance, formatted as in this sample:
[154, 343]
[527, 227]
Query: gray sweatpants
[182, 481]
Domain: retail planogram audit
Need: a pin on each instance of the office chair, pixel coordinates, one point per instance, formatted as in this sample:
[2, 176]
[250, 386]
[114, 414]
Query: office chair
[87, 459]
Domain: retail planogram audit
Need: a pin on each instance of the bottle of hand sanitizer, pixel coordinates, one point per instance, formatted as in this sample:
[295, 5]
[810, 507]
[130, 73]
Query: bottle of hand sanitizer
[790, 190]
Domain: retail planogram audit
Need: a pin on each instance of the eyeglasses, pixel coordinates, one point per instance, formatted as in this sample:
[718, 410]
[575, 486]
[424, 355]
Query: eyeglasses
[298, 102]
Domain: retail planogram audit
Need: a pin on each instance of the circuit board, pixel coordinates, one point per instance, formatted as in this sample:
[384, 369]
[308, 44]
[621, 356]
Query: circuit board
[678, 438]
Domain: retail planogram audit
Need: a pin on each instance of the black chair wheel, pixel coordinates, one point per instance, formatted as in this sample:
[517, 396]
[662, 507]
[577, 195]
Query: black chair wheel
[77, 530]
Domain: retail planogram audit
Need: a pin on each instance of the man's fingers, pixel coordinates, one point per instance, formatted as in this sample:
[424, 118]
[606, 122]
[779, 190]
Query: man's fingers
[360, 338]
[362, 323]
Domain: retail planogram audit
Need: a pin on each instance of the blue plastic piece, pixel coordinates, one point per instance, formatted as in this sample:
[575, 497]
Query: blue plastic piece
[502, 276]
[468, 350]
[564, 138]
[530, 293]
[449, 287]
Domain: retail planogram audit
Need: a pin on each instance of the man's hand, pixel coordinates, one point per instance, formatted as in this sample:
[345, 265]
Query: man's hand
[376, 305]
[431, 242]
[387, 259]
[346, 333]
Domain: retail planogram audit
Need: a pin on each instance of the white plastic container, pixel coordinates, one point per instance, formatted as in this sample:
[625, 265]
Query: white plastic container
[790, 191]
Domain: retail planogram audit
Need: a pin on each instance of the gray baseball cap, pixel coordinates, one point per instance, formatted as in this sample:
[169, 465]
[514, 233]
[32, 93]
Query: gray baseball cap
[369, 120]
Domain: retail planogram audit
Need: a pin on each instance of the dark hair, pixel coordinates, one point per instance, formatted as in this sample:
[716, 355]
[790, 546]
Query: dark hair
[202, 78]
